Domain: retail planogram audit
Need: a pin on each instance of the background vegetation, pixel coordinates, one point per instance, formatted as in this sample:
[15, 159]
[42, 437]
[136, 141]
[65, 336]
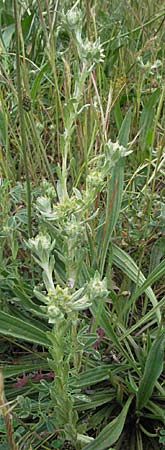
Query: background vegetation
[82, 213]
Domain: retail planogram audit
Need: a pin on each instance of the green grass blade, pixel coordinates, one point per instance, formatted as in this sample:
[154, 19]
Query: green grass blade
[152, 371]
[111, 433]
[155, 275]
[123, 136]
[24, 366]
[118, 115]
[114, 199]
[92, 376]
[17, 328]
[129, 267]
[3, 128]
[105, 323]
[148, 316]
[37, 81]
[157, 253]
[98, 398]
[147, 117]
[114, 193]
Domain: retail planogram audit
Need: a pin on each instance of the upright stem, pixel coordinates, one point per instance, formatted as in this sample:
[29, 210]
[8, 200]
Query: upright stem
[21, 115]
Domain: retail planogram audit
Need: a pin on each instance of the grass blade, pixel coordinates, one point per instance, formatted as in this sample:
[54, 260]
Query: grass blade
[11, 326]
[114, 199]
[114, 194]
[147, 117]
[129, 267]
[155, 275]
[125, 129]
[152, 371]
[111, 433]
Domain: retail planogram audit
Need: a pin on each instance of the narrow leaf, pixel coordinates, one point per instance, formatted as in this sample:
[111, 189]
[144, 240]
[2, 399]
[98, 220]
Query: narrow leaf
[155, 275]
[37, 81]
[148, 316]
[118, 115]
[11, 326]
[129, 267]
[24, 366]
[125, 129]
[114, 198]
[106, 323]
[111, 433]
[3, 128]
[147, 117]
[7, 35]
[92, 376]
[157, 253]
[114, 194]
[152, 371]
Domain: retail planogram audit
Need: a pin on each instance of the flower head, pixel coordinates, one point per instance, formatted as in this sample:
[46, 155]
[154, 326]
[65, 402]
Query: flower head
[97, 288]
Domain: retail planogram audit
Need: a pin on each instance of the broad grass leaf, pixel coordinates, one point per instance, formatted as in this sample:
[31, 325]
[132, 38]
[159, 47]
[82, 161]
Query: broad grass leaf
[20, 329]
[114, 199]
[24, 366]
[114, 194]
[152, 371]
[37, 81]
[123, 136]
[111, 433]
[155, 275]
[105, 322]
[7, 35]
[147, 118]
[157, 253]
[92, 376]
[146, 318]
[3, 128]
[122, 260]
[94, 400]
[118, 115]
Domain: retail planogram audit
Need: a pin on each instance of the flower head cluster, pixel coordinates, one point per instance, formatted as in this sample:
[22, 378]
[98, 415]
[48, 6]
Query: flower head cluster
[91, 52]
[73, 228]
[60, 211]
[113, 152]
[60, 302]
[95, 179]
[72, 20]
[97, 288]
[41, 246]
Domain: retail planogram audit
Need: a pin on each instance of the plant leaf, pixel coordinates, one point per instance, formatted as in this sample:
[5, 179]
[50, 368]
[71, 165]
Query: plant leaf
[123, 136]
[147, 117]
[11, 326]
[3, 128]
[37, 81]
[157, 273]
[122, 260]
[91, 376]
[114, 198]
[114, 194]
[7, 35]
[157, 252]
[111, 433]
[144, 319]
[152, 371]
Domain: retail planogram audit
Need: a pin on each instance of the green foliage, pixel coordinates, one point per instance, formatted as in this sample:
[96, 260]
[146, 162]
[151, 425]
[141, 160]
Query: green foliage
[111, 432]
[81, 302]
[152, 371]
